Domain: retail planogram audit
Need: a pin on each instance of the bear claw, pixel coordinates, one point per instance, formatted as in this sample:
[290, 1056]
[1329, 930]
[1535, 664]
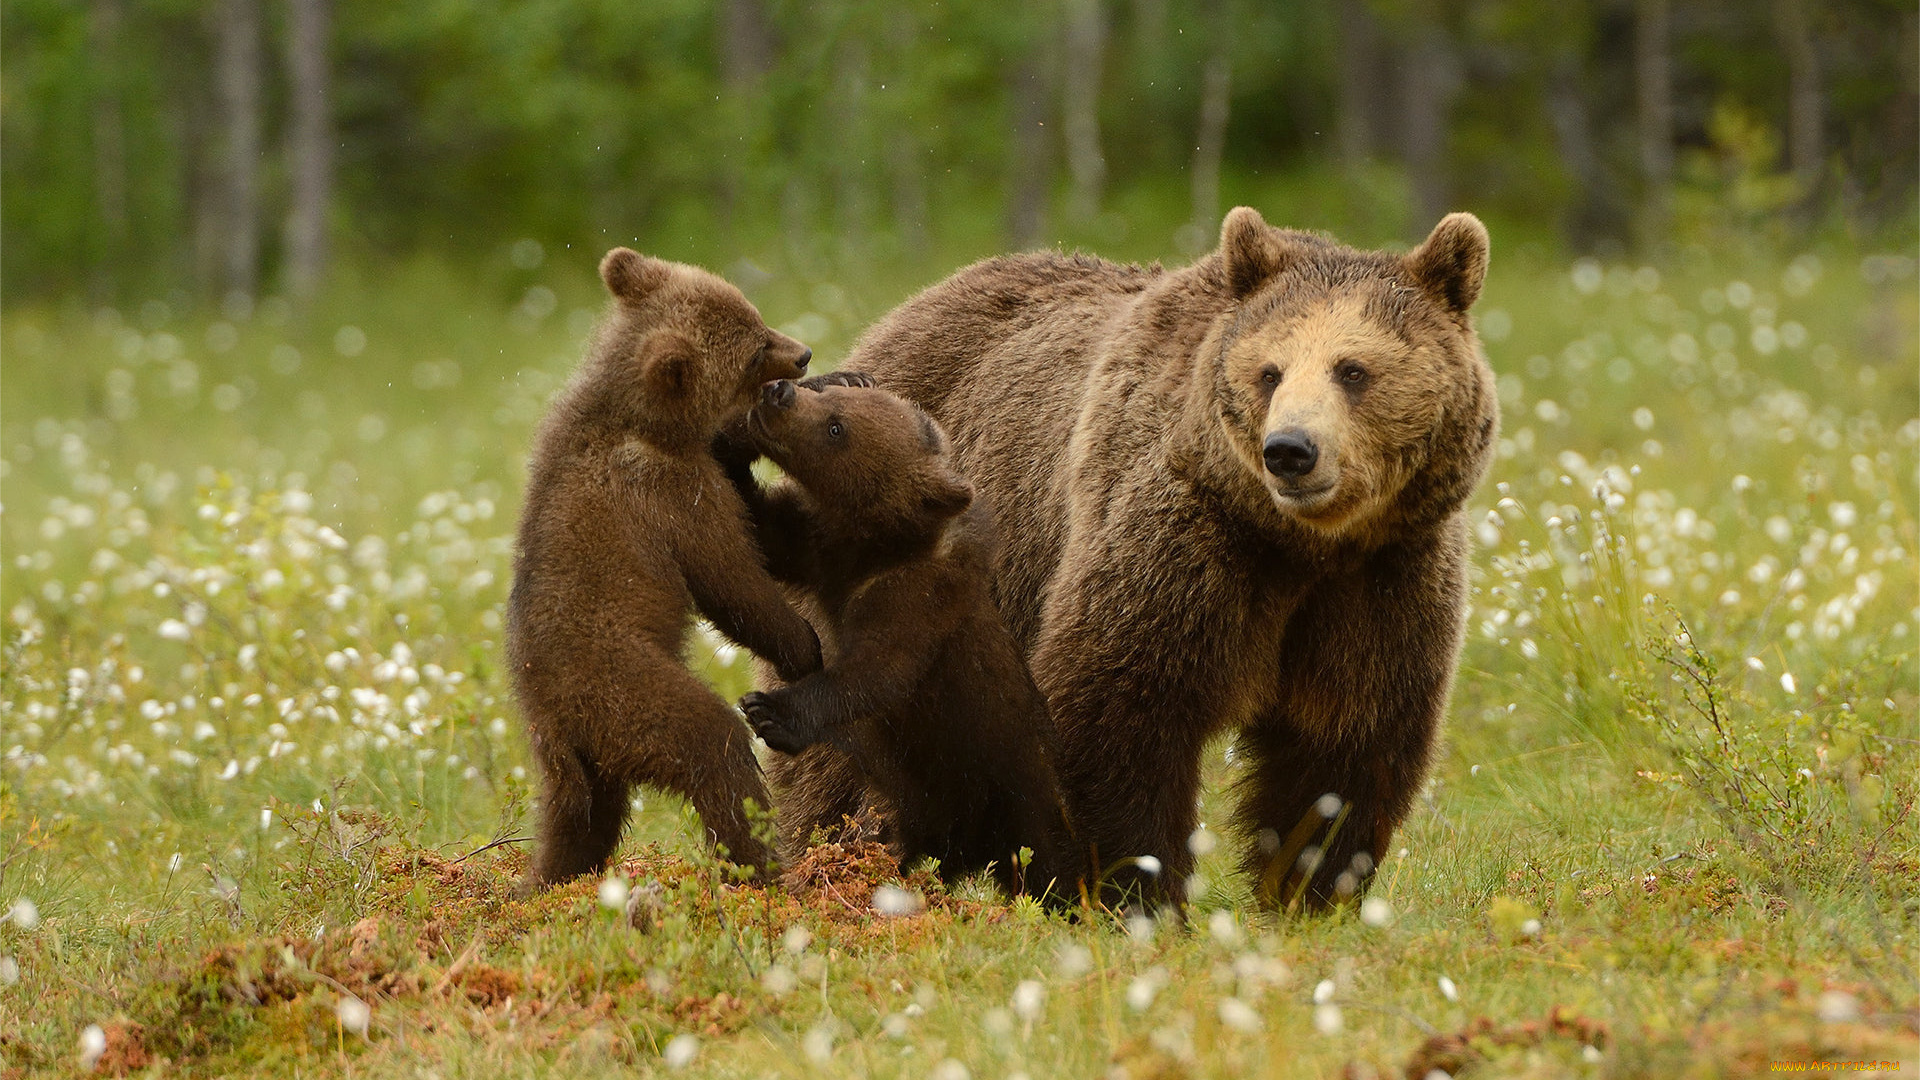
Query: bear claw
[763, 715]
[836, 378]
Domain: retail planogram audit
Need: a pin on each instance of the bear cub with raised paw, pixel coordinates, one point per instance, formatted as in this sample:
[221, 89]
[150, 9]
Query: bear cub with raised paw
[631, 526]
[924, 707]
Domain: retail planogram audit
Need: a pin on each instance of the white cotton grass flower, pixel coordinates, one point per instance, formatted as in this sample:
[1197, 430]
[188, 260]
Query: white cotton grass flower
[892, 900]
[1323, 991]
[1142, 990]
[614, 891]
[1224, 927]
[1754, 663]
[174, 630]
[1239, 1015]
[1140, 928]
[950, 1069]
[1148, 864]
[1376, 912]
[1327, 1019]
[818, 1044]
[680, 1051]
[779, 979]
[796, 939]
[1839, 1007]
[1029, 1000]
[1072, 960]
[24, 913]
[1788, 684]
[1448, 990]
[998, 1022]
[93, 1043]
[354, 1015]
[1202, 841]
[9, 971]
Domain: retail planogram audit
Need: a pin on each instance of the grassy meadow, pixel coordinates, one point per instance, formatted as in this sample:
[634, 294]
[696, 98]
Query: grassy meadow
[255, 736]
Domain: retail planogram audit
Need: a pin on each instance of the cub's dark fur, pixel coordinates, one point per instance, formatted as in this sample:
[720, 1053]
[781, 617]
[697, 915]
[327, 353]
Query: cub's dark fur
[630, 527]
[925, 706]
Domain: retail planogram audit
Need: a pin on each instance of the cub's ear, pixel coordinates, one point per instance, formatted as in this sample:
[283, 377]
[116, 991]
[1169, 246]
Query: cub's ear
[1251, 251]
[630, 275]
[1451, 264]
[948, 495]
[668, 363]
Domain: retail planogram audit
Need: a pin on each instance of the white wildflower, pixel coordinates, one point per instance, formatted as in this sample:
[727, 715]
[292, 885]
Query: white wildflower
[681, 1051]
[1239, 1015]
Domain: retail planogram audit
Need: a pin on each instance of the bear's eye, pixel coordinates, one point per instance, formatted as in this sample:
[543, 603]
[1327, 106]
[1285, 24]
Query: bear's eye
[1351, 374]
[1269, 377]
[834, 430]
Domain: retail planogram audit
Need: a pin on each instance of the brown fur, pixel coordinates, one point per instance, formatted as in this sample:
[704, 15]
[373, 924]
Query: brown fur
[925, 706]
[1169, 585]
[630, 526]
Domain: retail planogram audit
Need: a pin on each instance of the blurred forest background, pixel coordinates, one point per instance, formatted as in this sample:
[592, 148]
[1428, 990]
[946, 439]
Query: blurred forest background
[210, 151]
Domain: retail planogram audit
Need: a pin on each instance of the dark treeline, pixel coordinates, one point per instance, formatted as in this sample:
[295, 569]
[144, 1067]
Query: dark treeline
[159, 145]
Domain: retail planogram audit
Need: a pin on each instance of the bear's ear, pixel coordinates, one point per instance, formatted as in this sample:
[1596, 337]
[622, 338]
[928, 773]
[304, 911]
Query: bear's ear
[947, 495]
[630, 275]
[668, 363]
[1252, 253]
[1451, 264]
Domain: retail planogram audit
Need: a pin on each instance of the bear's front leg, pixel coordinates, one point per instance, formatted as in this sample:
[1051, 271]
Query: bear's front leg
[1321, 817]
[1334, 767]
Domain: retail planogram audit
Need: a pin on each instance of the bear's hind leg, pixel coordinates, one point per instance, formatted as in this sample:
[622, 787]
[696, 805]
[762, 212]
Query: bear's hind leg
[579, 822]
[688, 741]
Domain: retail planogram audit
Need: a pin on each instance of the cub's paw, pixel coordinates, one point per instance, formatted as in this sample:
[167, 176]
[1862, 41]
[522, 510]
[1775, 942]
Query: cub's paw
[770, 721]
[836, 378]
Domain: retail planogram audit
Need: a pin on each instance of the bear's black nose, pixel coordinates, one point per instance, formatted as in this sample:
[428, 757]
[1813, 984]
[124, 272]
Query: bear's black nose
[778, 394]
[806, 355]
[1290, 453]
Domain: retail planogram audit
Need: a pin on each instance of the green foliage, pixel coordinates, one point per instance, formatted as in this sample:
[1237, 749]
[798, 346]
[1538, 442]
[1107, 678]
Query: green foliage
[878, 131]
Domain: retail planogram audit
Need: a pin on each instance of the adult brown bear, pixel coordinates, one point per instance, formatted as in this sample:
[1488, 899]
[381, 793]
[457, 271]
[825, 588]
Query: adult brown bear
[1231, 500]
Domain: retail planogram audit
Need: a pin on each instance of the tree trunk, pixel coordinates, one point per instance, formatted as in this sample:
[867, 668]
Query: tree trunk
[1591, 218]
[853, 123]
[747, 48]
[1360, 73]
[309, 144]
[1215, 98]
[748, 51]
[109, 142]
[1653, 81]
[237, 92]
[1429, 79]
[1029, 174]
[1805, 109]
[1150, 32]
[1086, 39]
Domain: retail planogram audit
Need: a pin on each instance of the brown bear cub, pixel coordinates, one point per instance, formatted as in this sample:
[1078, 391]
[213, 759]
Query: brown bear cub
[630, 526]
[925, 706]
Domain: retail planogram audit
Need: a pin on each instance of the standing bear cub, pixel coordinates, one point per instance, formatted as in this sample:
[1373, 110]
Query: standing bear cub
[630, 526]
[925, 706]
[1233, 495]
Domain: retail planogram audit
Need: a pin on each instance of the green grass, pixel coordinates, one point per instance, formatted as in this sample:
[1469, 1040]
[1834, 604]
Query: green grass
[252, 712]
